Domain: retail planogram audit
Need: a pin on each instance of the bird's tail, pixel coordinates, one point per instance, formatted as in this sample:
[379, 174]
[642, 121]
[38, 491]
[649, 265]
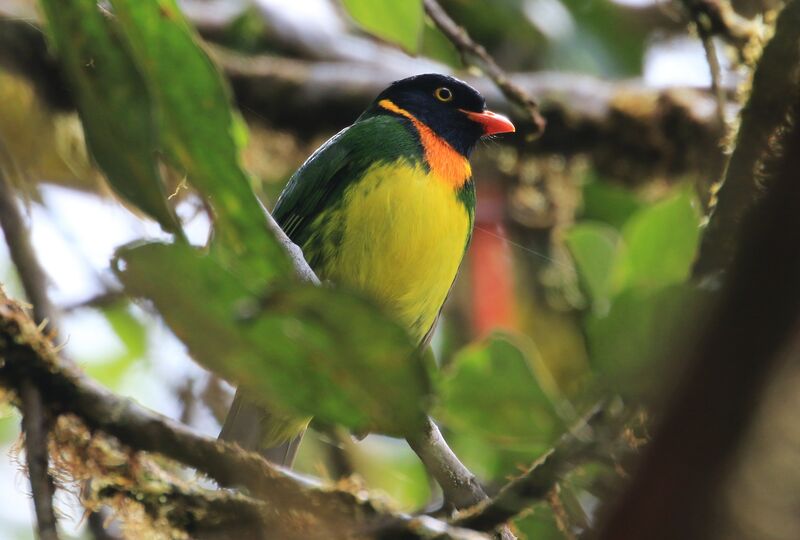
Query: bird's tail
[253, 427]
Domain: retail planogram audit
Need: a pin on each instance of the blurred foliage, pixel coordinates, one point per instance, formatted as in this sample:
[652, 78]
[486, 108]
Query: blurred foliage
[634, 275]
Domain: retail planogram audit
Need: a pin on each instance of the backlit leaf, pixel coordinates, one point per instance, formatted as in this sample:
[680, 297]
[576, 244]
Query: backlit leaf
[303, 349]
[113, 103]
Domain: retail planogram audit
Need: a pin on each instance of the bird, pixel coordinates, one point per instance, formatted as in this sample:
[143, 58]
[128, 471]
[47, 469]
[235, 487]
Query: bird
[385, 207]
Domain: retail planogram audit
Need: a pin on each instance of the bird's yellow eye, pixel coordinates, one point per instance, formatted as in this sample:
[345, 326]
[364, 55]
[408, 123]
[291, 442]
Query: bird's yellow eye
[443, 94]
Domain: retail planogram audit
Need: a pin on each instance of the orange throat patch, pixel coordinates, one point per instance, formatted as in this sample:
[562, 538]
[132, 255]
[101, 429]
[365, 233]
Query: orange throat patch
[445, 162]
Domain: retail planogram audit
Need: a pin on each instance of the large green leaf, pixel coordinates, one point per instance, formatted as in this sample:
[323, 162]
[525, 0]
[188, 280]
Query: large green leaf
[303, 349]
[113, 103]
[639, 331]
[594, 247]
[199, 132]
[492, 392]
[397, 21]
[661, 243]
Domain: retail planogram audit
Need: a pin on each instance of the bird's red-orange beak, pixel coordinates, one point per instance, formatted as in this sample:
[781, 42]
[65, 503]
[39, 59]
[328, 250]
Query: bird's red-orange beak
[492, 122]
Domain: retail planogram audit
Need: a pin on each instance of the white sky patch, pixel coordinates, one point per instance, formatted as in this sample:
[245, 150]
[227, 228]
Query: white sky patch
[637, 3]
[680, 61]
[550, 17]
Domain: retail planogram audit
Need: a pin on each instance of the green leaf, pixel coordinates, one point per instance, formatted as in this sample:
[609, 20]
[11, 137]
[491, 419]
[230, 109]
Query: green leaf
[492, 392]
[201, 134]
[303, 349]
[594, 247]
[639, 331]
[396, 21]
[661, 242]
[113, 103]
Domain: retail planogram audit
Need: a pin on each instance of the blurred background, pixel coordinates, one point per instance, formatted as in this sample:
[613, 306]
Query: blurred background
[584, 238]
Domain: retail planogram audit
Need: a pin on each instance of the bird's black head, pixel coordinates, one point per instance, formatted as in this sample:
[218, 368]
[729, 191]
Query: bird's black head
[454, 110]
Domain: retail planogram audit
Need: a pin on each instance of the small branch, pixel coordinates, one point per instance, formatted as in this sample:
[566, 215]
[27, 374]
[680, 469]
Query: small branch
[28, 355]
[704, 31]
[474, 54]
[459, 486]
[575, 447]
[35, 426]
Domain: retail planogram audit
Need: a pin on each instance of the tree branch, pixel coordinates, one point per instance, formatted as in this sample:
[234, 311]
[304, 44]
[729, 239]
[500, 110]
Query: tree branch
[578, 445]
[460, 487]
[34, 419]
[28, 355]
[35, 426]
[753, 328]
[475, 54]
[775, 87]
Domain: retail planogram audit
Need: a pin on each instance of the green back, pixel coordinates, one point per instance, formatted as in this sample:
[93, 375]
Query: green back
[319, 184]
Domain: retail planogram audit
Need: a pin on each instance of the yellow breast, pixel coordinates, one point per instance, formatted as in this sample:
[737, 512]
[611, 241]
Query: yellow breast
[401, 234]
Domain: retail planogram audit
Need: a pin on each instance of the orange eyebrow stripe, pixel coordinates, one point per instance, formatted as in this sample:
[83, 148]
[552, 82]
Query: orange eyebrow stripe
[442, 158]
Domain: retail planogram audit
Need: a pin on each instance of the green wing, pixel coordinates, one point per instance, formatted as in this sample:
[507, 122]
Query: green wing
[318, 185]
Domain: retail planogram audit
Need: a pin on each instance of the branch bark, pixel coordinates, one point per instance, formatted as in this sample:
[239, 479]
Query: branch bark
[460, 487]
[775, 87]
[28, 355]
[753, 327]
[34, 418]
[35, 425]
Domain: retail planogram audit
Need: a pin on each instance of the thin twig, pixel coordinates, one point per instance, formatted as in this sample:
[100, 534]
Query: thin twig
[575, 447]
[31, 274]
[34, 421]
[476, 55]
[714, 67]
[35, 425]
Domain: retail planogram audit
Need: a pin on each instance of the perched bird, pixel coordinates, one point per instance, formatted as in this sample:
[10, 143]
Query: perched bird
[386, 207]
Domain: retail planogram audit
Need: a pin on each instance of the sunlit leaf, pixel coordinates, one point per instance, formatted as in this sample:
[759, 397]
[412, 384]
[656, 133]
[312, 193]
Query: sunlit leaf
[113, 103]
[200, 132]
[492, 391]
[307, 350]
[399, 22]
[594, 247]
